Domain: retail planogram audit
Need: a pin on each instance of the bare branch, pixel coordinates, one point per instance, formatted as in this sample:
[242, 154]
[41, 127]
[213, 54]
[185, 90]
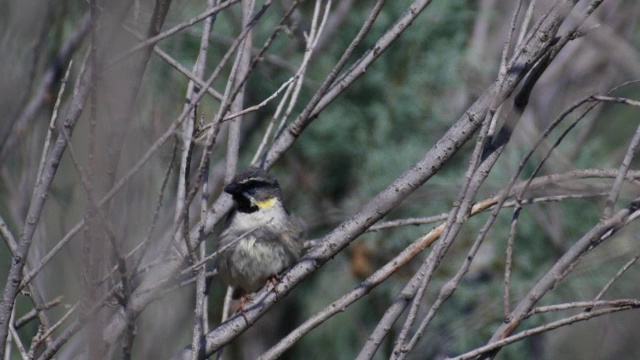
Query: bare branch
[165, 34]
[155, 253]
[610, 283]
[540, 329]
[26, 318]
[286, 140]
[37, 204]
[624, 167]
[7, 142]
[242, 70]
[16, 338]
[176, 65]
[598, 233]
[390, 197]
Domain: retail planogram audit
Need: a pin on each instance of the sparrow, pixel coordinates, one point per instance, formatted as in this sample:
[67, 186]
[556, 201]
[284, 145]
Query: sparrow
[261, 238]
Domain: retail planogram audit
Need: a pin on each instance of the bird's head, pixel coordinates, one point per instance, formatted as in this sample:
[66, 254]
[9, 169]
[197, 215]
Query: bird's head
[254, 189]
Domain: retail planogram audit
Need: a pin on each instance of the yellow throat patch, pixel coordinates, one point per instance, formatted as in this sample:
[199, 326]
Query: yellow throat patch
[265, 204]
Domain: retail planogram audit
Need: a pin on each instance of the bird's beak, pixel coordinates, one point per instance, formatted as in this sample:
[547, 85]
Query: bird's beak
[233, 189]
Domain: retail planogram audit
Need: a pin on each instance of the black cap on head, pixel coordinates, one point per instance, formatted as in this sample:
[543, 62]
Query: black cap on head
[252, 184]
[253, 173]
[249, 178]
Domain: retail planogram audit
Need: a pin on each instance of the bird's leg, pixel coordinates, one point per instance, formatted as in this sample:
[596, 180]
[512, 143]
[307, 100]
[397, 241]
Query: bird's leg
[273, 280]
[244, 299]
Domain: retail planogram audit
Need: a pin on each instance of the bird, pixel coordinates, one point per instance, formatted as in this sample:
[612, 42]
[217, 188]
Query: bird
[261, 238]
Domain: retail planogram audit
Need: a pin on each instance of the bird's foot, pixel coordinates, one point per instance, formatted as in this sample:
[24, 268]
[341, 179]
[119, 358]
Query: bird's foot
[244, 299]
[274, 280]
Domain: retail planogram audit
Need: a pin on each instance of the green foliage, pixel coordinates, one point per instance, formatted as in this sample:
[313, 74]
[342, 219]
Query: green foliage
[391, 116]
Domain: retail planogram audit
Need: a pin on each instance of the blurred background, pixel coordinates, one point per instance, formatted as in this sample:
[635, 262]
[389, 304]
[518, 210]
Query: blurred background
[360, 143]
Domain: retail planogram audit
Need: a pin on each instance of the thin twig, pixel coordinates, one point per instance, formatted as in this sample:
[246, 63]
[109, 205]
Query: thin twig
[610, 283]
[144, 244]
[624, 166]
[312, 40]
[200, 312]
[597, 234]
[40, 96]
[306, 116]
[582, 304]
[16, 338]
[241, 66]
[260, 105]
[52, 123]
[215, 253]
[486, 204]
[154, 39]
[298, 73]
[36, 296]
[508, 263]
[59, 323]
[74, 327]
[407, 222]
[525, 23]
[176, 65]
[201, 295]
[26, 318]
[540, 329]
[36, 207]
